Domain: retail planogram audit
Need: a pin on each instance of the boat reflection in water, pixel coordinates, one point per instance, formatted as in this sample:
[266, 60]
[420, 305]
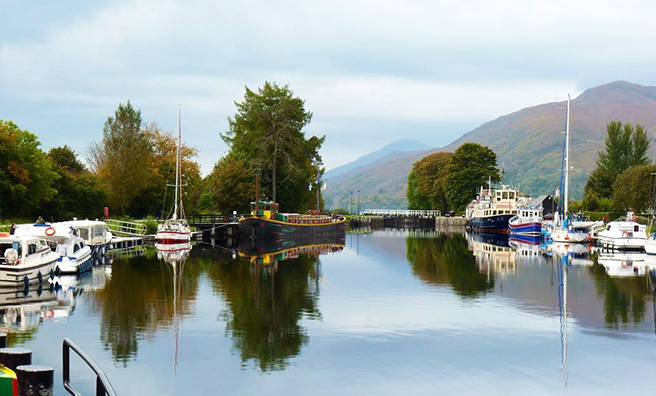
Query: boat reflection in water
[175, 255]
[269, 253]
[493, 253]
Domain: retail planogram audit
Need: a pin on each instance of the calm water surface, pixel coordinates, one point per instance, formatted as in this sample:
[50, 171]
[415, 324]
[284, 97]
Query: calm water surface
[393, 312]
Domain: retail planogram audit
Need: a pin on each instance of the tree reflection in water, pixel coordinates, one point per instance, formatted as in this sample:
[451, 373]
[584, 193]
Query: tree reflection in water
[265, 304]
[624, 298]
[446, 260]
[138, 300]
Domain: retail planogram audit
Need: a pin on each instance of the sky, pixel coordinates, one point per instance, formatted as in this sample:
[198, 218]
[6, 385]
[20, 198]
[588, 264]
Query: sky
[371, 72]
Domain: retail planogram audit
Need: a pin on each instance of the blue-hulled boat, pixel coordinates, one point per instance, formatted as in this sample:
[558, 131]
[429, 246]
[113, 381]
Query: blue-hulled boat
[492, 210]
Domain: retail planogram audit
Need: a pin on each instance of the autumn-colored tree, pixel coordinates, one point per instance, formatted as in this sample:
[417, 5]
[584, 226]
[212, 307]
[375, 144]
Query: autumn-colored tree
[426, 189]
[157, 197]
[232, 185]
[123, 159]
[79, 193]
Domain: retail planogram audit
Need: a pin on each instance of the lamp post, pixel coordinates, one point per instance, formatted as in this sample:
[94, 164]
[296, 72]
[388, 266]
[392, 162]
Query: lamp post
[358, 202]
[351, 204]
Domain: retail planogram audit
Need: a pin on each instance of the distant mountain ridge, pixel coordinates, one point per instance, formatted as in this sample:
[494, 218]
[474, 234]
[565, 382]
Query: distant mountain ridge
[402, 145]
[528, 144]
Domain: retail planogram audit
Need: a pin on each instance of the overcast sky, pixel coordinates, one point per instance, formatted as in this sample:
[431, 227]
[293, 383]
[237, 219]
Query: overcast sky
[371, 71]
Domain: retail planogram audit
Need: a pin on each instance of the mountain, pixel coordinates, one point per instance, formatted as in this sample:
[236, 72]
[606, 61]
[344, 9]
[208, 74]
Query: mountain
[399, 146]
[528, 144]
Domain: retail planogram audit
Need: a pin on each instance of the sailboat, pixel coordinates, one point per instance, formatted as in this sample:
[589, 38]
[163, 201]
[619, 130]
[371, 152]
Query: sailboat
[175, 229]
[564, 229]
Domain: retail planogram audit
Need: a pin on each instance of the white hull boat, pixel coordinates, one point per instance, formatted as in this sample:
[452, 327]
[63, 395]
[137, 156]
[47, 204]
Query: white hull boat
[75, 256]
[623, 235]
[650, 246]
[25, 261]
[176, 229]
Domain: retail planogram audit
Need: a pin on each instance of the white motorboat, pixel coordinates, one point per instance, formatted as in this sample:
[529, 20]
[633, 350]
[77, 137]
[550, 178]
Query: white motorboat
[94, 233]
[75, 256]
[623, 235]
[176, 229]
[25, 260]
[650, 245]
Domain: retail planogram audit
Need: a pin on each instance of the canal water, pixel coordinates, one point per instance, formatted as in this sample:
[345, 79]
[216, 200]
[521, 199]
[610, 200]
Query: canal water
[389, 312]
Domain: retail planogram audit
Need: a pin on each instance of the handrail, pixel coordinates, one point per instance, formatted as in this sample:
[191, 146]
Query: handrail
[128, 228]
[103, 386]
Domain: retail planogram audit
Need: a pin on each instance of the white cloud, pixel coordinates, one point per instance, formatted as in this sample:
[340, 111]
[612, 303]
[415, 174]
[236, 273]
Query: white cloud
[379, 61]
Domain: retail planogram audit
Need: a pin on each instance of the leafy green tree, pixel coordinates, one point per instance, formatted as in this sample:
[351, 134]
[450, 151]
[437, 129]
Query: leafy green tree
[123, 159]
[232, 185]
[470, 167]
[267, 131]
[426, 189]
[26, 175]
[625, 147]
[634, 189]
[79, 193]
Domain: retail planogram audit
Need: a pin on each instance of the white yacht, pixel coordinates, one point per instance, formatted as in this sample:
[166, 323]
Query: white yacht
[75, 256]
[623, 235]
[650, 245]
[176, 229]
[25, 260]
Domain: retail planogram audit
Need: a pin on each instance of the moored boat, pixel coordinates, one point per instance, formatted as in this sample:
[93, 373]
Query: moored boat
[75, 256]
[492, 210]
[176, 229]
[25, 260]
[265, 222]
[623, 235]
[528, 221]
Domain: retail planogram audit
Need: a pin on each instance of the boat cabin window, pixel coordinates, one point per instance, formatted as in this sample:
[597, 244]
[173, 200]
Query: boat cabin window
[636, 228]
[505, 195]
[31, 248]
[608, 227]
[84, 233]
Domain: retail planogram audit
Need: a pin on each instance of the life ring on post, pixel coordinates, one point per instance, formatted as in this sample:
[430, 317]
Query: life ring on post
[50, 231]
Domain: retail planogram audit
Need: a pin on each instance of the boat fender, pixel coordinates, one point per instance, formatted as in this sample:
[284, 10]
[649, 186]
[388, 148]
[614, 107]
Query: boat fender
[50, 231]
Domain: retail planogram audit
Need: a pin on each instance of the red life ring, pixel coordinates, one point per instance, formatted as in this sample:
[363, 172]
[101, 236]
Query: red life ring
[50, 231]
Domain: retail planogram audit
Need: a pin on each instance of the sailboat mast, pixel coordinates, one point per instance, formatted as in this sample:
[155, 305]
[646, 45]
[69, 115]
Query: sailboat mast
[566, 196]
[177, 169]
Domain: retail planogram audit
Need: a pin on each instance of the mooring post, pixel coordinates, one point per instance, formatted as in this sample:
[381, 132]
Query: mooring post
[35, 380]
[14, 357]
[3, 339]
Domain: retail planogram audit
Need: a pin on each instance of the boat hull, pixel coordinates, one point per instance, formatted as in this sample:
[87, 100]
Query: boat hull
[526, 229]
[650, 246]
[258, 228]
[77, 263]
[27, 274]
[496, 223]
[621, 243]
[173, 236]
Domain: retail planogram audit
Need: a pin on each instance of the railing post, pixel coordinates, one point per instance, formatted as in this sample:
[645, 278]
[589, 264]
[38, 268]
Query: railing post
[66, 362]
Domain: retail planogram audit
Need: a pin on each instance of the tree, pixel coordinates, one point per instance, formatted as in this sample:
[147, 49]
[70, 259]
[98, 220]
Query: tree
[470, 167]
[625, 147]
[79, 193]
[157, 197]
[634, 189]
[426, 189]
[267, 131]
[123, 159]
[26, 175]
[232, 185]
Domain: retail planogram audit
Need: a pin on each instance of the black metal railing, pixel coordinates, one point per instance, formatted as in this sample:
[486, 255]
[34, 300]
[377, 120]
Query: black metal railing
[103, 387]
[211, 219]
